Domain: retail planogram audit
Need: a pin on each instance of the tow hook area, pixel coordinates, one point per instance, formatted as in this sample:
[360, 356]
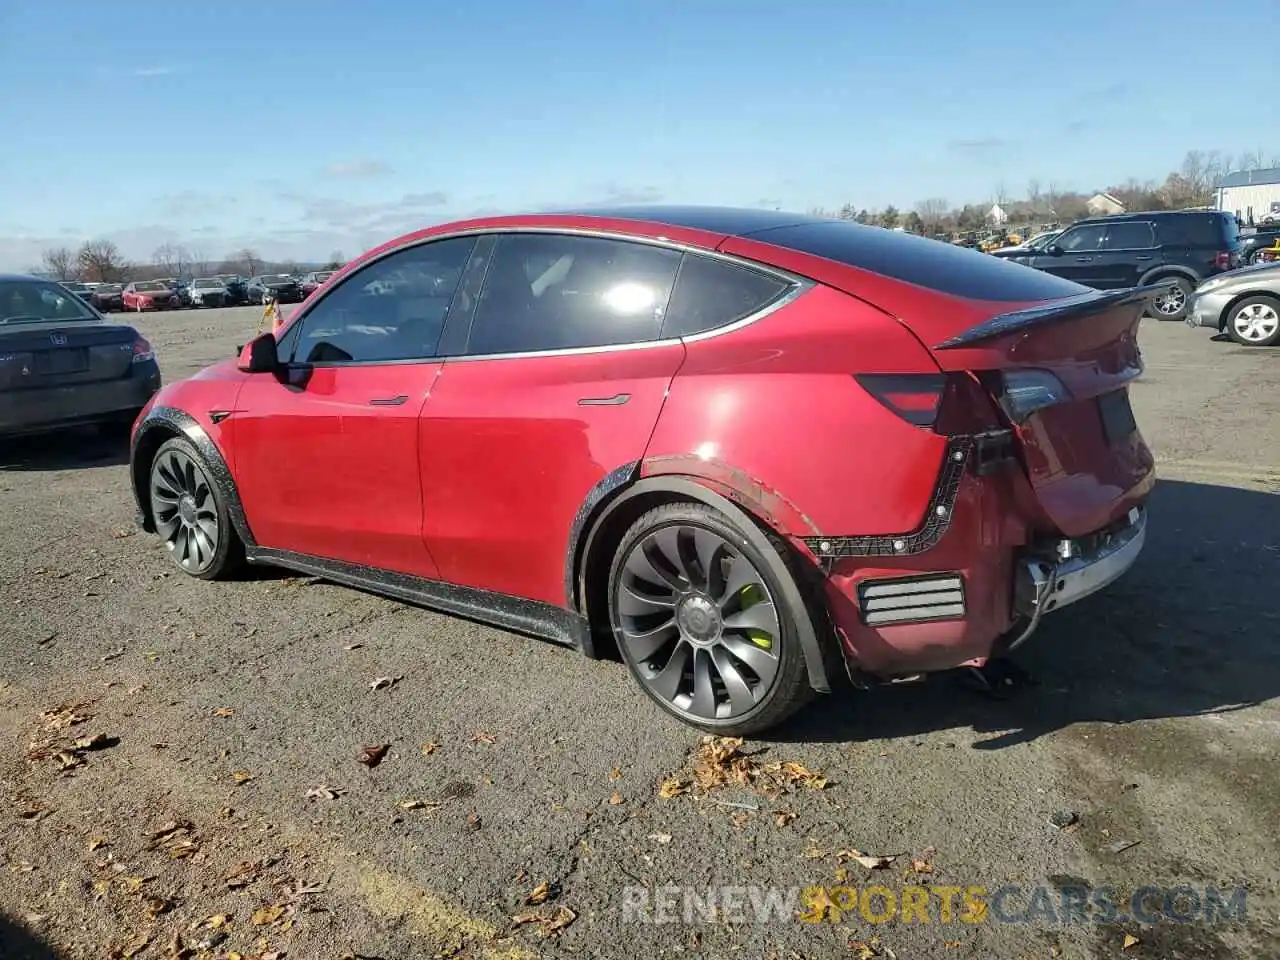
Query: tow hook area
[992, 451]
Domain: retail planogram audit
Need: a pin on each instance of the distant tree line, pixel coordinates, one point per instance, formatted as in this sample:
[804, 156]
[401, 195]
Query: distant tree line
[101, 261]
[1191, 185]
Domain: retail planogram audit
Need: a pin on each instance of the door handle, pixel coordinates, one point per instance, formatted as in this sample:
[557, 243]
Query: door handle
[1144, 258]
[616, 400]
[1084, 259]
[389, 401]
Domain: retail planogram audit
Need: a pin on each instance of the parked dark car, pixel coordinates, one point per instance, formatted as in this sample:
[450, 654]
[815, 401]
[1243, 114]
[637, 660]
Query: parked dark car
[280, 287]
[207, 292]
[1244, 303]
[237, 288]
[107, 297]
[63, 363]
[1252, 244]
[1181, 248]
[1029, 247]
[81, 290]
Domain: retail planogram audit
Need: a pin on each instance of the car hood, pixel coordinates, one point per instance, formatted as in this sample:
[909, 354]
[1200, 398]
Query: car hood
[280, 283]
[154, 294]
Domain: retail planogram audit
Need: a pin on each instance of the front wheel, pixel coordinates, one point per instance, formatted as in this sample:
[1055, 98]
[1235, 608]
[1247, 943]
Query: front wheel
[190, 513]
[1255, 322]
[701, 620]
[1172, 305]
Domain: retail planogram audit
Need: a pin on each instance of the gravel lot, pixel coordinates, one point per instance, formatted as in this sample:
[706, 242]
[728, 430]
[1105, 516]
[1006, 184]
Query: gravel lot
[1153, 716]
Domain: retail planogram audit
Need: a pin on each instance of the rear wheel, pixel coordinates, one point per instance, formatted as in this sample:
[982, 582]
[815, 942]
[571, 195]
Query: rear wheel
[1172, 305]
[1255, 321]
[190, 514]
[701, 621]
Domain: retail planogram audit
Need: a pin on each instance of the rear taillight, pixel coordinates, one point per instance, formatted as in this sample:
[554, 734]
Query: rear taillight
[1023, 392]
[142, 351]
[1223, 260]
[915, 397]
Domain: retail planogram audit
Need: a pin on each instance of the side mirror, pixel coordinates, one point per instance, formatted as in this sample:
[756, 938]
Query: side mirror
[259, 355]
[1053, 250]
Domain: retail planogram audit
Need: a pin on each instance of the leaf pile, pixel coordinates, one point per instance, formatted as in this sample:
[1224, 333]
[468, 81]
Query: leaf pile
[720, 762]
[65, 748]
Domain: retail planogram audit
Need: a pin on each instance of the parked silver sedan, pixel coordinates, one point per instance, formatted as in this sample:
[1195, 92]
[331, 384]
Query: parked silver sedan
[1244, 303]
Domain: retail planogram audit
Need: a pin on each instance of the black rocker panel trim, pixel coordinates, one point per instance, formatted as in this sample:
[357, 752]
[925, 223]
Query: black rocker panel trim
[579, 529]
[530, 617]
[173, 421]
[937, 518]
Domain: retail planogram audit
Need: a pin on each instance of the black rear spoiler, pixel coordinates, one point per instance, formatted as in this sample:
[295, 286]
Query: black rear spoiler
[1068, 308]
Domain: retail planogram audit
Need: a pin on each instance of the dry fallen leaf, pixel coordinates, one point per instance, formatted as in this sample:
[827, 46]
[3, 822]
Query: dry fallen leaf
[921, 866]
[170, 828]
[267, 915]
[184, 848]
[241, 776]
[616, 799]
[217, 922]
[482, 737]
[1130, 941]
[244, 874]
[539, 893]
[96, 742]
[429, 748]
[381, 683]
[671, 787]
[96, 842]
[224, 712]
[133, 947]
[660, 837]
[863, 950]
[868, 861]
[155, 906]
[323, 793]
[133, 884]
[563, 917]
[615, 773]
[373, 755]
[413, 804]
[473, 821]
[68, 761]
[784, 817]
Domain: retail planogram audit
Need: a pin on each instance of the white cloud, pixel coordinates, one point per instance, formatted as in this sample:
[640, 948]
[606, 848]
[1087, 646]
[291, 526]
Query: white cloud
[358, 169]
[156, 71]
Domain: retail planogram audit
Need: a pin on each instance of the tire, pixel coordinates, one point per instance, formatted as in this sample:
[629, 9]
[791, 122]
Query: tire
[1255, 321]
[1174, 305]
[190, 513]
[672, 621]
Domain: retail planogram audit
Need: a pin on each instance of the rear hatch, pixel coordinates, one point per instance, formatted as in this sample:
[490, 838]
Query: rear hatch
[35, 355]
[1053, 358]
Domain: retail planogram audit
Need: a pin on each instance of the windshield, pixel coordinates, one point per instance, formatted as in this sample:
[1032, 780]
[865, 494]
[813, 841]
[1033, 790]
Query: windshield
[75, 287]
[33, 300]
[108, 288]
[207, 282]
[151, 287]
[322, 277]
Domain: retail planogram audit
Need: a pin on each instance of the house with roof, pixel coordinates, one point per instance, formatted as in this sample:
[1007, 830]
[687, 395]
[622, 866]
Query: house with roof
[1103, 205]
[1252, 195]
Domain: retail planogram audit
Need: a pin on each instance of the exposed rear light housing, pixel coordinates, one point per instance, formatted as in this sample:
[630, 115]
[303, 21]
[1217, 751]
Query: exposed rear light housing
[1023, 392]
[142, 351]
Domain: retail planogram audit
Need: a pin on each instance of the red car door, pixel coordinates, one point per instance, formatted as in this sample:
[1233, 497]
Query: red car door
[561, 383]
[326, 451]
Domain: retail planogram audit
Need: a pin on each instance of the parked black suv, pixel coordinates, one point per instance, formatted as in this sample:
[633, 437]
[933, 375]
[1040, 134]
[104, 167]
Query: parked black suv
[1132, 249]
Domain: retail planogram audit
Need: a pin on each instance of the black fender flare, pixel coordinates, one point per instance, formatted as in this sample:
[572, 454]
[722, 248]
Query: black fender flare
[622, 490]
[162, 423]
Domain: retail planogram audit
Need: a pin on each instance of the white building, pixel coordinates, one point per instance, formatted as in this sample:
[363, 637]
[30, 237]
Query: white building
[1103, 205]
[997, 215]
[1250, 194]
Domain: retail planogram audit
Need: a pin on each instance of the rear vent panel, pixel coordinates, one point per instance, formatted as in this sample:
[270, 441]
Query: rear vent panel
[911, 599]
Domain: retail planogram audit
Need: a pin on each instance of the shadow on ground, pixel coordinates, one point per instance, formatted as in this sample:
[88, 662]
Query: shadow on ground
[18, 943]
[69, 449]
[1190, 630]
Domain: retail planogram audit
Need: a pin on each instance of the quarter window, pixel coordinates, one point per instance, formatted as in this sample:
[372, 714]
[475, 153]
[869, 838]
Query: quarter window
[559, 292]
[393, 309]
[712, 293]
[1134, 235]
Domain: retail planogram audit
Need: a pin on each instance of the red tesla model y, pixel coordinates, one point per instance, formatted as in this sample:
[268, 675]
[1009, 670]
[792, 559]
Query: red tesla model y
[744, 450]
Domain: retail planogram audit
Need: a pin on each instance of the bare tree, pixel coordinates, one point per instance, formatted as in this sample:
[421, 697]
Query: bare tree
[172, 259]
[251, 260]
[101, 260]
[1033, 193]
[199, 261]
[60, 263]
[889, 217]
[336, 260]
[932, 212]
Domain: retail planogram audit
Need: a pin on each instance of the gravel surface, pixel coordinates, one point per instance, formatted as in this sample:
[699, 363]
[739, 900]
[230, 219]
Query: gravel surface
[221, 727]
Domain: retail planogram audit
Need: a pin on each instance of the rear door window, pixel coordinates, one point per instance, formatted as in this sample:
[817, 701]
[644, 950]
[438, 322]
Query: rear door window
[546, 291]
[1196, 230]
[1133, 235]
[712, 293]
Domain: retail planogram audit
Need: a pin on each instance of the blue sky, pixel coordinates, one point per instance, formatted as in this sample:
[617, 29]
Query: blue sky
[300, 128]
